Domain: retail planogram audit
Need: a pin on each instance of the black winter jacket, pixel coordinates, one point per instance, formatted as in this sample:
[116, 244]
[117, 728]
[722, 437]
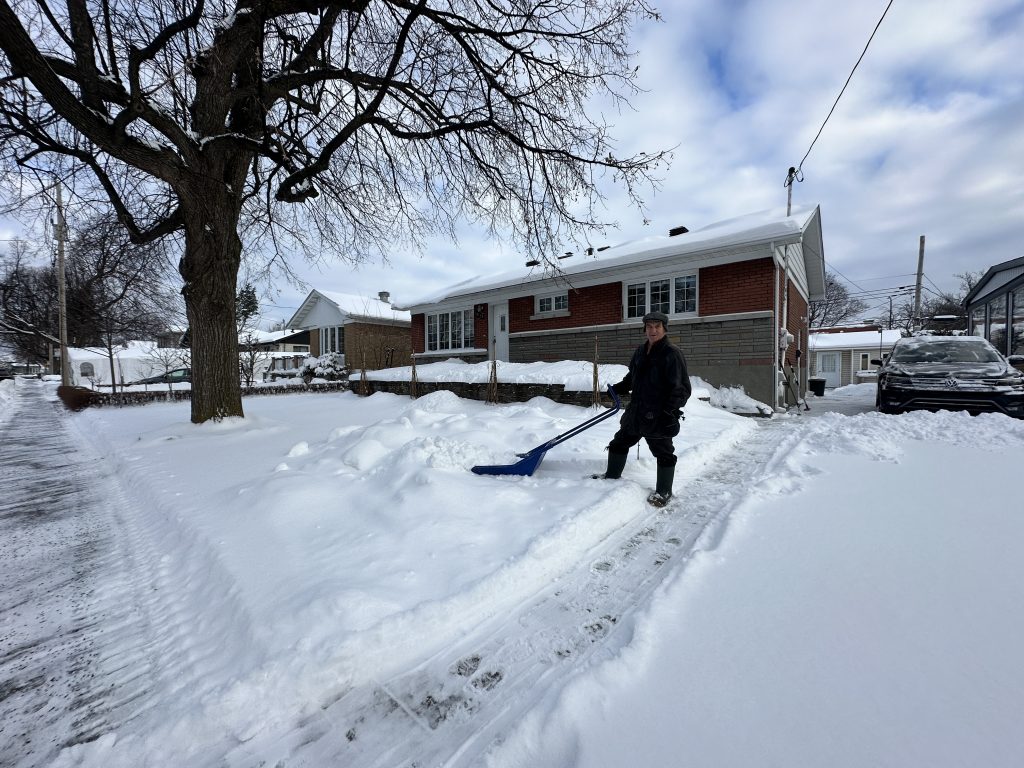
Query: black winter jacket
[660, 387]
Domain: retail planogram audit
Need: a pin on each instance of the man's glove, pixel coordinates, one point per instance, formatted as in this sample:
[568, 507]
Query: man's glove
[621, 388]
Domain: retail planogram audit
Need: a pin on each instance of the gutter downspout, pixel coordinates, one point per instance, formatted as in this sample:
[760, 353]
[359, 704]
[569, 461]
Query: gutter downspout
[775, 333]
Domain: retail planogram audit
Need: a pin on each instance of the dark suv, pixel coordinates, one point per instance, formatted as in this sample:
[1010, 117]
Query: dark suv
[963, 373]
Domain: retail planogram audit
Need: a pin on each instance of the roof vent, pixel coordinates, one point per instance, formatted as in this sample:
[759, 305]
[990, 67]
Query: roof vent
[384, 296]
[533, 263]
[677, 231]
[566, 255]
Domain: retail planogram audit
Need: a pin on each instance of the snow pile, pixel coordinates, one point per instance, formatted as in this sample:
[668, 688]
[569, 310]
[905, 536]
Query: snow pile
[736, 400]
[6, 396]
[574, 375]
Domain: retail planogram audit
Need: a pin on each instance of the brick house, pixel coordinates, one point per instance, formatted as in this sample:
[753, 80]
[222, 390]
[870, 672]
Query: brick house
[736, 294]
[368, 332]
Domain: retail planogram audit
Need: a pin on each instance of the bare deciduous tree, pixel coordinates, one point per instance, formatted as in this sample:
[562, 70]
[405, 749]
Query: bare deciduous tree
[836, 308]
[206, 121]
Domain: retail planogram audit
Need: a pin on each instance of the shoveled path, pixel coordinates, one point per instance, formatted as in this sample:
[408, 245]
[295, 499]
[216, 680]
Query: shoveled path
[76, 650]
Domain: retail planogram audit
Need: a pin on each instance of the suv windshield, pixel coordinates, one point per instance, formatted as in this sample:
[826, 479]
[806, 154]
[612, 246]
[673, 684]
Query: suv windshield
[935, 351]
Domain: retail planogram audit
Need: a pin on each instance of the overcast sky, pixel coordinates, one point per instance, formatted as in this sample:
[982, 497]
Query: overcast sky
[926, 140]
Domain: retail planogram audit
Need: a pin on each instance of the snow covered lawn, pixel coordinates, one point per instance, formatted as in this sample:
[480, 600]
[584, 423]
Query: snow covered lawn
[851, 595]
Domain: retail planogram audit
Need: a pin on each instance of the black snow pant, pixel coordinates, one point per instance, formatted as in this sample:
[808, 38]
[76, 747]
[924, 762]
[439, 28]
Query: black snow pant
[661, 447]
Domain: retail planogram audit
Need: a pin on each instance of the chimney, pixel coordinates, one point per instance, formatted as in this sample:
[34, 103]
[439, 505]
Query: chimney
[568, 255]
[677, 231]
[384, 296]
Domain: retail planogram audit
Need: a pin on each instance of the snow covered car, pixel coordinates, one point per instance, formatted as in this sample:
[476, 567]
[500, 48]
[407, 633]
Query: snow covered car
[963, 373]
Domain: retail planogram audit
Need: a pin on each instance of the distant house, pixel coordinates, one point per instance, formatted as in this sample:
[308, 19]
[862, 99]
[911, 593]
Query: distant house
[282, 352]
[995, 307]
[369, 332]
[170, 338]
[131, 361]
[843, 356]
[736, 293]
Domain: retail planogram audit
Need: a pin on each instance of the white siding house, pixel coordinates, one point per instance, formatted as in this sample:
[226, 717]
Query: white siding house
[844, 357]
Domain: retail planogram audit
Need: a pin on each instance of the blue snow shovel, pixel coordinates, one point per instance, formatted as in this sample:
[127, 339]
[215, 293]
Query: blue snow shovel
[529, 461]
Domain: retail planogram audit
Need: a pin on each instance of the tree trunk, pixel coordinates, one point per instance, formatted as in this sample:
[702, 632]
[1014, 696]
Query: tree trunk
[210, 269]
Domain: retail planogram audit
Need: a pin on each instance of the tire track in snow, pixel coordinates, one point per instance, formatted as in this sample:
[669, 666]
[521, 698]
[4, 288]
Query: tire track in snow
[450, 709]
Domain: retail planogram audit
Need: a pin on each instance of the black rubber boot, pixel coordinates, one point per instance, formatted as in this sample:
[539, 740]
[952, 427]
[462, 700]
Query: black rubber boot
[663, 489]
[616, 463]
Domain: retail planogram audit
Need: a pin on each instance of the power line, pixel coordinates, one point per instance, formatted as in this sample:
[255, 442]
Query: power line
[795, 173]
[887, 277]
[833, 269]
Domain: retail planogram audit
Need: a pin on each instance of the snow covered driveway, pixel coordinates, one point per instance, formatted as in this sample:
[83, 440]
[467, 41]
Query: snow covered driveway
[326, 583]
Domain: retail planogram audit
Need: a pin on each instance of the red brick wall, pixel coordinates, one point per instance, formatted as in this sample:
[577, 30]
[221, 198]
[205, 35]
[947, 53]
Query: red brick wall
[419, 333]
[745, 286]
[592, 305]
[480, 326]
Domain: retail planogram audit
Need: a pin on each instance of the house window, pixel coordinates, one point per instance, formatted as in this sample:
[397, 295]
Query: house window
[87, 371]
[997, 323]
[673, 296]
[556, 303]
[660, 298]
[686, 295]
[1017, 340]
[865, 361]
[450, 330]
[332, 339]
[636, 300]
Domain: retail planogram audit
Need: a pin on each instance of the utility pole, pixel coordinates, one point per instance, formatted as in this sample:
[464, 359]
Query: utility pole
[790, 178]
[917, 291]
[65, 378]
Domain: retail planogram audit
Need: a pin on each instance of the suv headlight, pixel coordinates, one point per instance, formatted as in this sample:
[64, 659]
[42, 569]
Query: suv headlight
[1014, 382]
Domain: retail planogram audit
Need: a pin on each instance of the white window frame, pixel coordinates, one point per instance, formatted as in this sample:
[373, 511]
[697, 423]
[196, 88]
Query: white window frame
[658, 282]
[441, 325]
[552, 303]
[332, 339]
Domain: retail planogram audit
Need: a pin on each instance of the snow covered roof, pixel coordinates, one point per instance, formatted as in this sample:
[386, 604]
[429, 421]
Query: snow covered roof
[350, 306]
[854, 340]
[268, 337]
[752, 229]
[133, 349]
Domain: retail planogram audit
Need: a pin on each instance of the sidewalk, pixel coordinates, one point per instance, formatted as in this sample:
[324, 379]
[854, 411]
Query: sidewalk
[61, 596]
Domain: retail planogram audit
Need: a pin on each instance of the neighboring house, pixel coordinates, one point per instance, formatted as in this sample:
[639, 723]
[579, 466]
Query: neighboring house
[292, 340]
[276, 354]
[132, 361]
[995, 307]
[368, 332]
[170, 338]
[736, 294]
[843, 356]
